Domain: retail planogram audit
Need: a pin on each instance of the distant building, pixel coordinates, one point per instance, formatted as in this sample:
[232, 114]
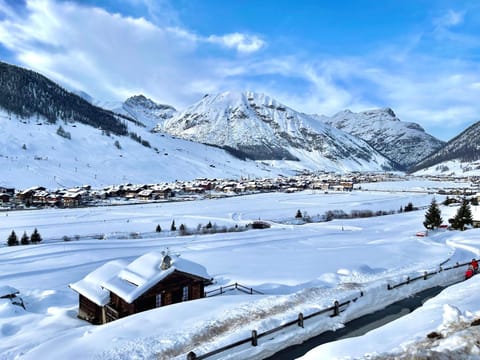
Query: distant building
[117, 289]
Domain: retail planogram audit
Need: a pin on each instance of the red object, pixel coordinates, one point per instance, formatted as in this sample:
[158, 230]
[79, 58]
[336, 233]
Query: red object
[474, 264]
[468, 273]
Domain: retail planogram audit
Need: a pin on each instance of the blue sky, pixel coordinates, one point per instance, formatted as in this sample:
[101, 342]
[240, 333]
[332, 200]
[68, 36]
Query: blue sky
[419, 57]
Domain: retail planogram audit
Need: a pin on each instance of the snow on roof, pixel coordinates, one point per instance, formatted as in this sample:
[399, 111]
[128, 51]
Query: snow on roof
[144, 272]
[6, 290]
[91, 285]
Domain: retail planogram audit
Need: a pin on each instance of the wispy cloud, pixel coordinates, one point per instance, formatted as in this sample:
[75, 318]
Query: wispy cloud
[110, 55]
[241, 42]
[449, 19]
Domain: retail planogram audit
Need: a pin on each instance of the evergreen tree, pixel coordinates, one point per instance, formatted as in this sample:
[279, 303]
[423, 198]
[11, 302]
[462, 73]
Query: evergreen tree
[299, 214]
[12, 239]
[409, 207]
[25, 240]
[463, 216]
[433, 217]
[158, 229]
[35, 238]
[173, 227]
[209, 225]
[182, 229]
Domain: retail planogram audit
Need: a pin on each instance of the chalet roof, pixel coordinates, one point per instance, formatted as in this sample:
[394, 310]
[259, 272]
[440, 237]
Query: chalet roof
[144, 272]
[91, 285]
[6, 290]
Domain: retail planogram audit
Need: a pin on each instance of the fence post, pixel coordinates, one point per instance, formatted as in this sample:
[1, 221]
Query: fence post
[254, 338]
[236, 286]
[361, 292]
[408, 279]
[425, 275]
[441, 269]
[191, 356]
[251, 291]
[300, 320]
[336, 308]
[389, 287]
[221, 290]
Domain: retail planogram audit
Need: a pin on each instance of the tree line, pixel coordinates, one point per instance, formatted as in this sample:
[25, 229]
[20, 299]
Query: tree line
[13, 240]
[26, 93]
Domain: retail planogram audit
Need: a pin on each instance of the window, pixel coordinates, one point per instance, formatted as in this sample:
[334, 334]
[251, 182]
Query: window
[158, 300]
[185, 293]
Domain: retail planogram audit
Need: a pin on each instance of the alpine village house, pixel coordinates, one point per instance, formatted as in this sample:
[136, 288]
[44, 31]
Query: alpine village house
[118, 289]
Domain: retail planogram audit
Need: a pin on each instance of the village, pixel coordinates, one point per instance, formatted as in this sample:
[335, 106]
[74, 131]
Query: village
[41, 197]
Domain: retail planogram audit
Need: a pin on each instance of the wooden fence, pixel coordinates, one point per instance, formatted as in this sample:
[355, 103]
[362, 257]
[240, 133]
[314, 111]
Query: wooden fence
[334, 310]
[224, 289]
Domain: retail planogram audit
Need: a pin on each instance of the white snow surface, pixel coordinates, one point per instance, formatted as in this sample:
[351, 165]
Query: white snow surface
[33, 154]
[299, 268]
[452, 168]
[92, 286]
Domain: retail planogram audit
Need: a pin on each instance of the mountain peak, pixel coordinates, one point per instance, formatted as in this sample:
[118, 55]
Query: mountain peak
[143, 101]
[256, 126]
[383, 114]
[404, 142]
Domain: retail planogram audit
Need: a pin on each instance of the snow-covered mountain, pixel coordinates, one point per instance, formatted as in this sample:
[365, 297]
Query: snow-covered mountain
[405, 143]
[460, 156]
[255, 126]
[35, 152]
[143, 110]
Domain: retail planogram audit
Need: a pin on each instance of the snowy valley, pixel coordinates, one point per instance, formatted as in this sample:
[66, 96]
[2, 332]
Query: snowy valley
[298, 268]
[293, 265]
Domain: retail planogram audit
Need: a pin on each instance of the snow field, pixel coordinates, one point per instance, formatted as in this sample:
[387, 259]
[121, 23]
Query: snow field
[300, 268]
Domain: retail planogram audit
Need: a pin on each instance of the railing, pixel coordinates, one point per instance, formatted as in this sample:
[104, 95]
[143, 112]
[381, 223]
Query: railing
[335, 310]
[224, 289]
[425, 275]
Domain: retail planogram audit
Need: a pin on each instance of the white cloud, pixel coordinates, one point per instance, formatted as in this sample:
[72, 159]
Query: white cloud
[112, 56]
[106, 54]
[449, 19]
[241, 42]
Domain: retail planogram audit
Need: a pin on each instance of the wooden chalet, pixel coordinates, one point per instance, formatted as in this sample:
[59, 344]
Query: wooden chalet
[155, 279]
[4, 198]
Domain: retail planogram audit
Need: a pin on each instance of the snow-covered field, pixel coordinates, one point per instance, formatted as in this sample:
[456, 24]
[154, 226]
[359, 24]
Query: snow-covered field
[299, 268]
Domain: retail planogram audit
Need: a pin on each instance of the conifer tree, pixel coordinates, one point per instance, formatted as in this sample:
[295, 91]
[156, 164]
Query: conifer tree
[409, 207]
[12, 239]
[173, 227]
[183, 229]
[158, 228]
[25, 240]
[433, 218]
[299, 214]
[463, 216]
[35, 238]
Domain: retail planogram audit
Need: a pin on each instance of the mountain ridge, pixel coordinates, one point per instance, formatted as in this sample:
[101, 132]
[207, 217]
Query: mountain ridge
[406, 143]
[261, 128]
